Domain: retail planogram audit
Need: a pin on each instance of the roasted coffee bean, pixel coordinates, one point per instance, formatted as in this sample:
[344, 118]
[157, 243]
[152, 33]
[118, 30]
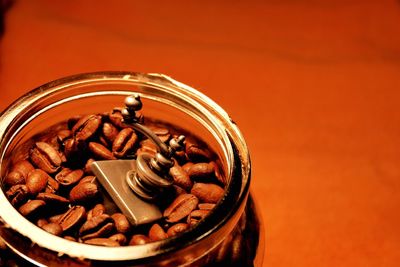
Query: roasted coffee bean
[181, 207]
[110, 132]
[37, 181]
[73, 120]
[19, 172]
[87, 169]
[196, 216]
[71, 150]
[177, 190]
[53, 228]
[162, 133]
[72, 218]
[139, 240]
[120, 238]
[68, 177]
[209, 193]
[45, 157]
[124, 142]
[187, 166]
[14, 178]
[83, 192]
[121, 223]
[100, 152]
[97, 210]
[181, 178]
[86, 127]
[196, 153]
[31, 207]
[177, 229]
[55, 218]
[220, 177]
[17, 194]
[63, 135]
[202, 172]
[98, 226]
[52, 185]
[53, 199]
[41, 221]
[206, 206]
[106, 242]
[88, 179]
[116, 118]
[157, 233]
[147, 146]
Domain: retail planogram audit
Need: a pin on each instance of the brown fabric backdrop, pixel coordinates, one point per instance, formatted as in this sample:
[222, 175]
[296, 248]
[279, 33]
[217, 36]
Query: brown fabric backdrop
[313, 85]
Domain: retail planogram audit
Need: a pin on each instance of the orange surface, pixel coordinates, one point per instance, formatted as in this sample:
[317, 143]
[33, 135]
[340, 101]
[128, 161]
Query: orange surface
[313, 85]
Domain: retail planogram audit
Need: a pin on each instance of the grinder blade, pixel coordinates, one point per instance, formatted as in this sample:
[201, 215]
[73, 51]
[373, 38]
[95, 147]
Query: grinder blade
[112, 176]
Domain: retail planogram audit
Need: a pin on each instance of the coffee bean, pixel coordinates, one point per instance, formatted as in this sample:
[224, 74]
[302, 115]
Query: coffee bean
[63, 135]
[157, 233]
[187, 166]
[19, 172]
[53, 199]
[97, 210]
[45, 157]
[40, 222]
[86, 127]
[73, 120]
[71, 150]
[83, 192]
[14, 178]
[202, 172]
[206, 206]
[116, 118]
[37, 181]
[180, 207]
[52, 185]
[87, 169]
[177, 190]
[124, 142]
[110, 132]
[147, 146]
[68, 177]
[121, 223]
[106, 242]
[97, 226]
[196, 153]
[162, 133]
[100, 152]
[209, 193]
[53, 228]
[31, 207]
[17, 194]
[139, 240]
[177, 229]
[55, 218]
[181, 178]
[120, 238]
[196, 216]
[88, 179]
[72, 218]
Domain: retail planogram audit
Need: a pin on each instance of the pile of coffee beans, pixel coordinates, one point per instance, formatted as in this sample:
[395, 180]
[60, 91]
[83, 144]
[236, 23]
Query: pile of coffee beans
[54, 187]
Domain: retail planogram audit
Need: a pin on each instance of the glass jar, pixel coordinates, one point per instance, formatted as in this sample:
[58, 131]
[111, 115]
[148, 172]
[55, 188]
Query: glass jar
[231, 234]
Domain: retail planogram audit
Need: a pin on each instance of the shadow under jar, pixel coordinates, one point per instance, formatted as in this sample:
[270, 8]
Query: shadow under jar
[231, 233]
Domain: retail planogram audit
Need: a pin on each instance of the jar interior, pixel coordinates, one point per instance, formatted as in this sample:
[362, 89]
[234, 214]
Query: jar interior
[64, 101]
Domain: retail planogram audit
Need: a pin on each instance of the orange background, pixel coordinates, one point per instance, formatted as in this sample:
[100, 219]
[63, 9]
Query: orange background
[313, 85]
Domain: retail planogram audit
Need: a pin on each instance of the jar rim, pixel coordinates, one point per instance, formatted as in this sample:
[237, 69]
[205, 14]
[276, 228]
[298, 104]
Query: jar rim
[237, 189]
